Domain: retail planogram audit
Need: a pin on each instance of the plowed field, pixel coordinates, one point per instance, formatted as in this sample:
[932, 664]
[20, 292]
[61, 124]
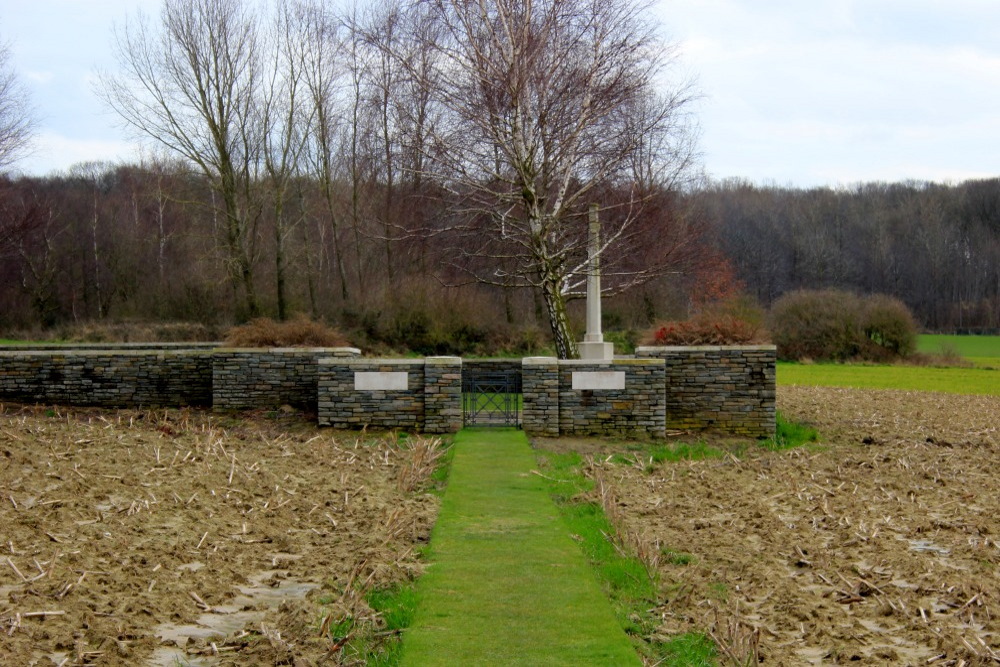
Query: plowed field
[878, 546]
[186, 538]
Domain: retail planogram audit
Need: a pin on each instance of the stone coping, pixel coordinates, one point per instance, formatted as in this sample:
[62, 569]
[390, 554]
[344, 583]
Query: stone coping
[283, 350]
[553, 361]
[443, 361]
[52, 347]
[703, 348]
[109, 352]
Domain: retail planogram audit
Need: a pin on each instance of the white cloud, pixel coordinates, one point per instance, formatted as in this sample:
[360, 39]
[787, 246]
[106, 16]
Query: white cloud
[56, 153]
[844, 90]
[41, 77]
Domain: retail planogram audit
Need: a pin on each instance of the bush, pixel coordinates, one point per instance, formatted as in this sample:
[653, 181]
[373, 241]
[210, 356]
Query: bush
[833, 325]
[731, 322]
[889, 328]
[299, 331]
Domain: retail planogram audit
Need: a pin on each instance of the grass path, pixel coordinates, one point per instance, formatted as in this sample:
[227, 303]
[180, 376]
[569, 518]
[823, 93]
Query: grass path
[507, 585]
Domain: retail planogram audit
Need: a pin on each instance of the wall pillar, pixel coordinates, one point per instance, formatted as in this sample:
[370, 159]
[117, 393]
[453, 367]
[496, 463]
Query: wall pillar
[442, 394]
[540, 387]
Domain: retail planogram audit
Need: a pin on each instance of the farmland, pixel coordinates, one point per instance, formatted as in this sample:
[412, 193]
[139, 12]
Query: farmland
[981, 350]
[161, 538]
[876, 547]
[909, 378]
[980, 373]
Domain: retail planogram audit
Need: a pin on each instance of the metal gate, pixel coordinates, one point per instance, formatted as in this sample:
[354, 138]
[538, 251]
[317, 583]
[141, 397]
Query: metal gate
[491, 398]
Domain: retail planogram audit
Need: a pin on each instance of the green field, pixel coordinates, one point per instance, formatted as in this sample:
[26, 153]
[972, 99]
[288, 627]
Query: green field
[913, 378]
[981, 350]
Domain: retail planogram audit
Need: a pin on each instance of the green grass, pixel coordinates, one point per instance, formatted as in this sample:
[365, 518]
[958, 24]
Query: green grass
[913, 378]
[690, 650]
[633, 590]
[397, 606]
[788, 434]
[507, 585]
[970, 347]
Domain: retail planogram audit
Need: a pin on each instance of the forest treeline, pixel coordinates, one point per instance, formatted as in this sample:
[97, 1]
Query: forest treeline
[423, 175]
[935, 247]
[145, 242]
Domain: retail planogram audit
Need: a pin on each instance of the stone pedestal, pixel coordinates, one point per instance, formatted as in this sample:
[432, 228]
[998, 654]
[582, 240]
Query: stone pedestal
[596, 351]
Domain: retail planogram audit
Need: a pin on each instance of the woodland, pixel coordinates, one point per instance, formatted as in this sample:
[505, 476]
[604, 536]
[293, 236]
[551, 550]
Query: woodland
[419, 175]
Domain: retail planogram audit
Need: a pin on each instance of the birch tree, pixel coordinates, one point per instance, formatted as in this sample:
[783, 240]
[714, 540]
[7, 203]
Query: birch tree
[552, 105]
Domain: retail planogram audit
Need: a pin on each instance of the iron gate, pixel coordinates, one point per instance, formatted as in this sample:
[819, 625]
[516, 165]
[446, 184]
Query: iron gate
[491, 398]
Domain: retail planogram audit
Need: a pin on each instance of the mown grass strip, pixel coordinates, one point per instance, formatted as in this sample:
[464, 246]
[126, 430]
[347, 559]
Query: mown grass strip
[628, 582]
[910, 378]
[507, 585]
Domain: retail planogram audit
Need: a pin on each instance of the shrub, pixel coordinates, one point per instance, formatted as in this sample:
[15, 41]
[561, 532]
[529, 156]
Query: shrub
[731, 322]
[701, 330]
[299, 331]
[889, 328]
[820, 325]
[833, 325]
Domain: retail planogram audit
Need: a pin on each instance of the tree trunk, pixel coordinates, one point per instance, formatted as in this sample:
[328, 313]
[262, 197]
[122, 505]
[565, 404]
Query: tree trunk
[555, 306]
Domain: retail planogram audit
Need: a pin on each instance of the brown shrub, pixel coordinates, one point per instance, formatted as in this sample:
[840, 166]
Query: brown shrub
[707, 329]
[734, 321]
[299, 331]
[834, 325]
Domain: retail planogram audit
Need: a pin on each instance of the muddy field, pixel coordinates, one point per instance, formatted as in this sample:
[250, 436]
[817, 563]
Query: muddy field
[175, 537]
[880, 546]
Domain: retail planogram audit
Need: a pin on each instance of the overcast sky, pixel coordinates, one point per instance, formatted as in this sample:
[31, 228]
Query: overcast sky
[795, 92]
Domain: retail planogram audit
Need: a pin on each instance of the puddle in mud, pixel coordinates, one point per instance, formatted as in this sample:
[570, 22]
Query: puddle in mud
[246, 609]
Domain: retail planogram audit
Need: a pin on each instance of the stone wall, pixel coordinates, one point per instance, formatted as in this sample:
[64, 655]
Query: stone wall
[383, 393]
[622, 397]
[120, 378]
[540, 405]
[729, 389]
[725, 388]
[443, 394]
[409, 394]
[142, 375]
[251, 378]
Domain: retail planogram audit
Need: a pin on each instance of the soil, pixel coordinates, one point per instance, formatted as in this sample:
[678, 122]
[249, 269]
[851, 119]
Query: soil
[879, 545]
[181, 537]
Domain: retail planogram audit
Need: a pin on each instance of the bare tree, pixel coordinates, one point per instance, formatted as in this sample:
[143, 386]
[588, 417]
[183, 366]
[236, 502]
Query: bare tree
[287, 119]
[191, 84]
[322, 72]
[17, 119]
[552, 105]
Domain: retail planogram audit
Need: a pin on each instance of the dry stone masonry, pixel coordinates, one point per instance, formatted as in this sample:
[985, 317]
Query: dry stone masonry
[113, 379]
[246, 379]
[623, 397]
[414, 394]
[726, 388]
[730, 389]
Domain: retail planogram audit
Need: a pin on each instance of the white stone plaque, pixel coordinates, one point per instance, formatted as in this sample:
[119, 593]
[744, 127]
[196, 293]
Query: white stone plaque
[375, 381]
[598, 380]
